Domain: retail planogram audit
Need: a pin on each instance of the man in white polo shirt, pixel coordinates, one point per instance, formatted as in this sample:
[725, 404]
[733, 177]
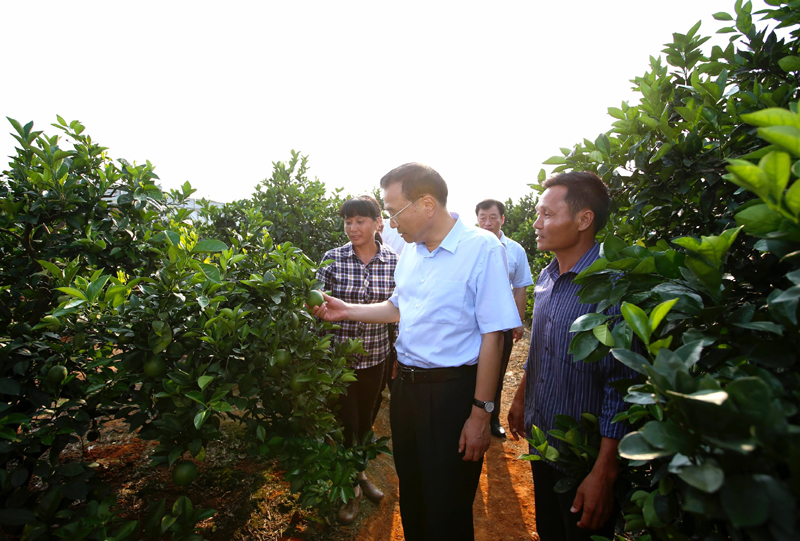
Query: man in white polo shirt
[491, 217]
[452, 302]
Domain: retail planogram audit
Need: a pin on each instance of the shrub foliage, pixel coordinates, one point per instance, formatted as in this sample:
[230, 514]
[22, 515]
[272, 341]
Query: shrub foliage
[114, 303]
[704, 259]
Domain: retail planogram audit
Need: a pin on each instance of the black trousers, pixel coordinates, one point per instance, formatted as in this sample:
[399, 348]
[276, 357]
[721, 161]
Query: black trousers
[554, 521]
[357, 411]
[437, 487]
[508, 345]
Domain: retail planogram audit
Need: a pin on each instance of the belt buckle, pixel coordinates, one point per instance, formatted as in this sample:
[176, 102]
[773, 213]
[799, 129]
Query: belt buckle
[412, 374]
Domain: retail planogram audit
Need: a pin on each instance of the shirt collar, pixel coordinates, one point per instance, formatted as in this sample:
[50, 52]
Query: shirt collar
[352, 253]
[503, 238]
[450, 242]
[583, 263]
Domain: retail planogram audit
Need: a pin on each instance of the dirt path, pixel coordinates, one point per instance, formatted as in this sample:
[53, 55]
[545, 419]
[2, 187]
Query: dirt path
[503, 507]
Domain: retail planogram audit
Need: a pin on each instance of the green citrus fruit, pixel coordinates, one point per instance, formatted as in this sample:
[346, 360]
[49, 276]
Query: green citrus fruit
[125, 338]
[315, 298]
[155, 366]
[79, 340]
[296, 385]
[273, 370]
[175, 350]
[92, 435]
[57, 374]
[282, 358]
[184, 473]
[295, 321]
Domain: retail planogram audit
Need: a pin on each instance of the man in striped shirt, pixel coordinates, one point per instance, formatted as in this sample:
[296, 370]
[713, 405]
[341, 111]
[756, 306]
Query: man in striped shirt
[491, 215]
[572, 209]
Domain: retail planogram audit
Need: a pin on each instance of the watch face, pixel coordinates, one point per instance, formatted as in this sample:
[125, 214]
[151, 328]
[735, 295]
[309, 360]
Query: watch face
[489, 407]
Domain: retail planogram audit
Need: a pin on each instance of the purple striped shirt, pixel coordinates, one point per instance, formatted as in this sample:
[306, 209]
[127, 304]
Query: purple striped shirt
[555, 384]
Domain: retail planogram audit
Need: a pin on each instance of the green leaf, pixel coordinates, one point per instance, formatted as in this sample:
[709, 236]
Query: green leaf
[211, 272]
[792, 197]
[722, 16]
[634, 447]
[787, 137]
[773, 116]
[789, 63]
[582, 345]
[745, 500]
[95, 287]
[603, 144]
[707, 477]
[664, 435]
[658, 313]
[764, 326]
[203, 381]
[612, 246]
[209, 246]
[759, 220]
[655, 510]
[631, 359]
[604, 336]
[72, 292]
[638, 321]
[197, 396]
[201, 418]
[587, 322]
[778, 166]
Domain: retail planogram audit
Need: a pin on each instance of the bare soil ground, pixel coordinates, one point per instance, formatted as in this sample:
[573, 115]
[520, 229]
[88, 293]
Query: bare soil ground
[253, 502]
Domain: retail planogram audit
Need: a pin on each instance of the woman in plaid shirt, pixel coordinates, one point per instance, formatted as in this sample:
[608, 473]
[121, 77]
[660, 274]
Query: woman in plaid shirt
[362, 272]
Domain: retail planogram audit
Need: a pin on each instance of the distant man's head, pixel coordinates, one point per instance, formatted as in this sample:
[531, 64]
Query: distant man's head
[491, 215]
[584, 190]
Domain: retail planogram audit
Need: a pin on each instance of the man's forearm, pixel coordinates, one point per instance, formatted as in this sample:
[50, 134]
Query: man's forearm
[489, 366]
[521, 300]
[382, 312]
[607, 463]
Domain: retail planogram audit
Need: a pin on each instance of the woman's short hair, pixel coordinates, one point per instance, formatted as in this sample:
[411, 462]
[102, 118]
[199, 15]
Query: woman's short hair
[417, 180]
[584, 190]
[362, 205]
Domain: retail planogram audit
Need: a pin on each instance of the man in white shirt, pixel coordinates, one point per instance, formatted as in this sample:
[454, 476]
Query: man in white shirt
[491, 217]
[452, 304]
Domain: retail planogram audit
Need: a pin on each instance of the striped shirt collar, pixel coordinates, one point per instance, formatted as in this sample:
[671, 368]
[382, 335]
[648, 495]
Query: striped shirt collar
[583, 263]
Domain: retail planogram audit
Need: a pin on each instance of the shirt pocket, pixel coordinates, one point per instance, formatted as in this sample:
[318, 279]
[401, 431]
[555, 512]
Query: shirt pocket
[444, 301]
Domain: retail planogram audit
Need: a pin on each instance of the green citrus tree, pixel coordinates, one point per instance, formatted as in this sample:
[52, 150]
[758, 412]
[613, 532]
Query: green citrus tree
[703, 258]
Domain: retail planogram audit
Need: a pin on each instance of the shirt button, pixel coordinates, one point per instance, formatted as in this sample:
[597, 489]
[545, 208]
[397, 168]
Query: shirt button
[416, 305]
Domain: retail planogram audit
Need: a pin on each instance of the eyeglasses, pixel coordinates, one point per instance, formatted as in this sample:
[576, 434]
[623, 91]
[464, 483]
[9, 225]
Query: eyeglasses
[394, 218]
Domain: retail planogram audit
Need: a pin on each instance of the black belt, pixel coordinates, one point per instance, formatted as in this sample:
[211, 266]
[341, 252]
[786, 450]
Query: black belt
[412, 374]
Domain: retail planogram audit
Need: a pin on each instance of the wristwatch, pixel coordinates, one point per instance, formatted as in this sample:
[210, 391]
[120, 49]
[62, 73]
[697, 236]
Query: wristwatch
[488, 406]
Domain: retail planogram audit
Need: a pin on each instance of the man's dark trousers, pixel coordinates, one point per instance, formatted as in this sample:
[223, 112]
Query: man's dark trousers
[508, 345]
[437, 487]
[554, 521]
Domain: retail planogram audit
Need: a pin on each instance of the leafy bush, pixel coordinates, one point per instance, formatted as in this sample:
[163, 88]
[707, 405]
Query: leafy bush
[296, 209]
[709, 281]
[113, 303]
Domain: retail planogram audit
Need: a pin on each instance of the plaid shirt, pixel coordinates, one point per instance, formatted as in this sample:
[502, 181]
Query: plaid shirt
[350, 280]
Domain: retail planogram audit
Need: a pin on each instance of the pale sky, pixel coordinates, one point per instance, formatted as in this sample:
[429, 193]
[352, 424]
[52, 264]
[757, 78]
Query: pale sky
[213, 93]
